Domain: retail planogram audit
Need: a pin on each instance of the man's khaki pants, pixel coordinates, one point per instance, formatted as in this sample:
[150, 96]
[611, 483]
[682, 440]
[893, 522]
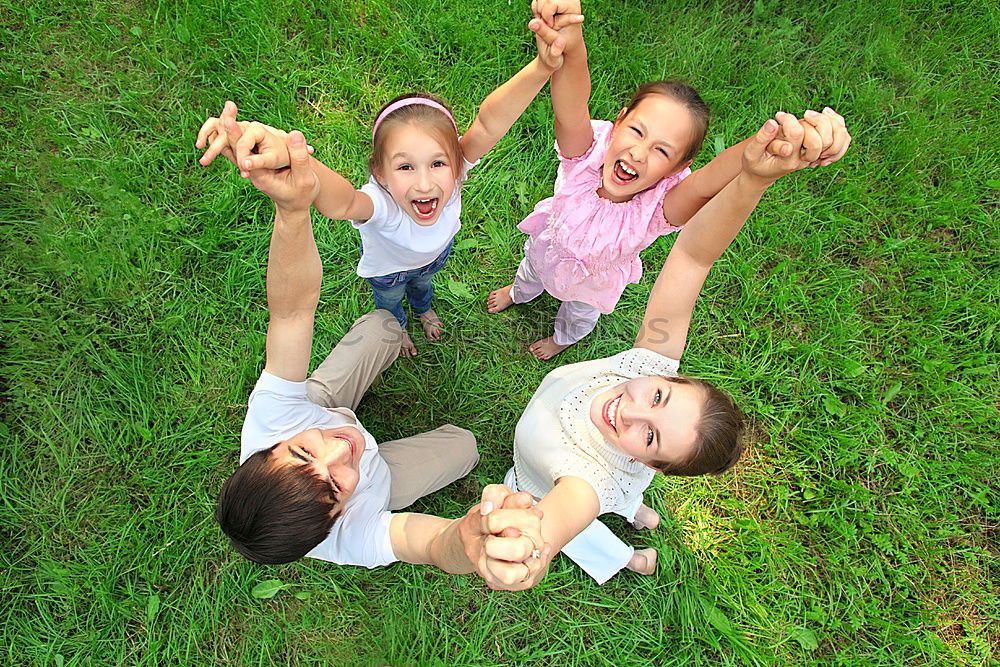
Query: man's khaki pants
[420, 464]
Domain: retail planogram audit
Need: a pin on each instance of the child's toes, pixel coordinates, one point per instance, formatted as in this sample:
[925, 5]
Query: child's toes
[499, 299]
[432, 325]
[407, 348]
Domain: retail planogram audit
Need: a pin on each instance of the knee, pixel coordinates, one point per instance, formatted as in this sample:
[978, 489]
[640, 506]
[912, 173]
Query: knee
[378, 324]
[465, 445]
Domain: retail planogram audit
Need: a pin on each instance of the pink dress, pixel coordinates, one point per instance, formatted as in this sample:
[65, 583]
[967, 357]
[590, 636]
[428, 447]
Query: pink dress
[586, 248]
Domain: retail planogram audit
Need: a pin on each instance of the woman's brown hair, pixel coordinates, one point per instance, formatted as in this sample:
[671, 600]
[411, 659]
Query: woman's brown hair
[718, 445]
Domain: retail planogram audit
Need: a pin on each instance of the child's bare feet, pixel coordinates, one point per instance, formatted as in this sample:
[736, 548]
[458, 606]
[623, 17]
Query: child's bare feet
[432, 325]
[646, 518]
[499, 299]
[643, 561]
[407, 348]
[546, 348]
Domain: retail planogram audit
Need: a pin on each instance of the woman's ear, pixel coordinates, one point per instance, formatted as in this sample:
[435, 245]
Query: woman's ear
[621, 115]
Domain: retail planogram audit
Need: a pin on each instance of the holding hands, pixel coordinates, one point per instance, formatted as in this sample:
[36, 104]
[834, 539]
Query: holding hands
[503, 539]
[785, 144]
[275, 161]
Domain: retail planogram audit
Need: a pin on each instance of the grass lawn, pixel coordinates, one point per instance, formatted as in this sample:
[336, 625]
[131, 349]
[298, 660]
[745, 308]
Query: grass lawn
[854, 320]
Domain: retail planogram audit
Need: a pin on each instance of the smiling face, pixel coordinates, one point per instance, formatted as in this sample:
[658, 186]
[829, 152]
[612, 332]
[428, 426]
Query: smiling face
[418, 172]
[650, 418]
[648, 143]
[332, 454]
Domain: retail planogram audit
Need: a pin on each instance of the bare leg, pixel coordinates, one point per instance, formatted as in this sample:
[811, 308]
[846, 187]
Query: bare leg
[643, 562]
[499, 299]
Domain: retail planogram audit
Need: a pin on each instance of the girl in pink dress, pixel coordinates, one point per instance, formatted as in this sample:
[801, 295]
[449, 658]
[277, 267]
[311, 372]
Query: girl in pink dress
[619, 187]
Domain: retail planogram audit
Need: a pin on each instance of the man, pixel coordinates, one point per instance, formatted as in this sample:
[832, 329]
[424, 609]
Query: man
[312, 480]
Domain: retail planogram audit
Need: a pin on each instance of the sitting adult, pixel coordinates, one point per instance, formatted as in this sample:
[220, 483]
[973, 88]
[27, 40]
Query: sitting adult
[312, 480]
[595, 433]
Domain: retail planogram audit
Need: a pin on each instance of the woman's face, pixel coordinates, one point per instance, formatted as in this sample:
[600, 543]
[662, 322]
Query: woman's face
[646, 146]
[650, 418]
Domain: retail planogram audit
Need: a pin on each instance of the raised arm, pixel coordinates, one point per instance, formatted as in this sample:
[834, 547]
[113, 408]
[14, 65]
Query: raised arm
[504, 106]
[819, 129]
[294, 271]
[253, 146]
[711, 230]
[571, 82]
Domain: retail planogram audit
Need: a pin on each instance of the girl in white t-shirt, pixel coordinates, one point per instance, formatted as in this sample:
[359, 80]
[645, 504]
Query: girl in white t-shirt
[408, 211]
[595, 433]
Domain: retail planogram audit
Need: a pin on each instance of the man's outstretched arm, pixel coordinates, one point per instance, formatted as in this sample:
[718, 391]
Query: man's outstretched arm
[294, 270]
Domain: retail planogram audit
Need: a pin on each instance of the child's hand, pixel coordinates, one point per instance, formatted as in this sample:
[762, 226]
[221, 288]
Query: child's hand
[826, 130]
[564, 16]
[549, 42]
[213, 135]
[547, 10]
[760, 163]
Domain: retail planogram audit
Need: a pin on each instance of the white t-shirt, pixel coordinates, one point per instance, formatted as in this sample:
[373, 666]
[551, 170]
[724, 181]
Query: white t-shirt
[393, 242]
[277, 410]
[555, 436]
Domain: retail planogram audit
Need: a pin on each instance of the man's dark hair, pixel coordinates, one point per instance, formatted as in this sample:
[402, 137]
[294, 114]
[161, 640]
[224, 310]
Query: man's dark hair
[718, 445]
[275, 514]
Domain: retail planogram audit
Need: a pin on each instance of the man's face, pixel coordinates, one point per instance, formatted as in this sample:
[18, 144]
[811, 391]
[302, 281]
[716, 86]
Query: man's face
[333, 454]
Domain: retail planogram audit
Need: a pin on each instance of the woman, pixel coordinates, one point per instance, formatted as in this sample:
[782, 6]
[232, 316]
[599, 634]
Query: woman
[595, 433]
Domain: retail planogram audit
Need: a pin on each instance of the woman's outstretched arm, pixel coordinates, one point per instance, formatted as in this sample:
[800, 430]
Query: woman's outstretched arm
[711, 230]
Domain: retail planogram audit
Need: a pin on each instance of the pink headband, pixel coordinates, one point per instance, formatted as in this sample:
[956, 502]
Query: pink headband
[407, 101]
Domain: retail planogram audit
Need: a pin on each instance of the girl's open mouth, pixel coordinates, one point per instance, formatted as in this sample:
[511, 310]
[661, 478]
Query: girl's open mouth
[425, 208]
[623, 173]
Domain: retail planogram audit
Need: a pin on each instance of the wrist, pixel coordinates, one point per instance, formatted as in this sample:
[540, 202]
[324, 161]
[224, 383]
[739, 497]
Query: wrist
[753, 183]
[542, 68]
[292, 213]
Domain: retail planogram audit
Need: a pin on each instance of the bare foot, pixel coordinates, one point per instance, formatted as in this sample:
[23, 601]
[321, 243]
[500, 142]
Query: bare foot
[646, 518]
[546, 348]
[407, 349]
[643, 561]
[499, 299]
[432, 325]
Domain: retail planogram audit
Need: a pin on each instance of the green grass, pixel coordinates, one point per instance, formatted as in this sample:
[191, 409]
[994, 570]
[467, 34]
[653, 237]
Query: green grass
[854, 321]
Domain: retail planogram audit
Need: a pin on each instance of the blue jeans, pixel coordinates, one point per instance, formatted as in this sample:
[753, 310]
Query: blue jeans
[414, 283]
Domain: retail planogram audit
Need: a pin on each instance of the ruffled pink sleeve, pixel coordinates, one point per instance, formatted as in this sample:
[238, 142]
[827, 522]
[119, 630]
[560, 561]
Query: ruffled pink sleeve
[658, 225]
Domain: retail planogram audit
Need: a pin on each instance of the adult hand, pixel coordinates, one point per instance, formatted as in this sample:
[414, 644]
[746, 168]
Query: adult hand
[827, 130]
[266, 139]
[502, 536]
[291, 188]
